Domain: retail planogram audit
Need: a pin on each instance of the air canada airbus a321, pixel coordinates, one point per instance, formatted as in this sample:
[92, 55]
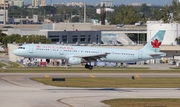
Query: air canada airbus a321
[77, 54]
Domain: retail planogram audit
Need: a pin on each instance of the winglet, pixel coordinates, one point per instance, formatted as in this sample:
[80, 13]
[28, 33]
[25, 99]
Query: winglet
[156, 41]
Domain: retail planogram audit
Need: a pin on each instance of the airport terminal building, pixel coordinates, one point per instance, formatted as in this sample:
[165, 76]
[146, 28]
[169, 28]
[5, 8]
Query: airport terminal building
[75, 37]
[76, 33]
[63, 34]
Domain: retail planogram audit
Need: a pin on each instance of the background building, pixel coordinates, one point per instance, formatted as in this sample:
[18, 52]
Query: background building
[2, 3]
[80, 4]
[75, 37]
[109, 39]
[139, 4]
[172, 31]
[43, 3]
[35, 3]
[2, 16]
[108, 3]
[18, 3]
[66, 33]
[67, 26]
[64, 37]
[98, 11]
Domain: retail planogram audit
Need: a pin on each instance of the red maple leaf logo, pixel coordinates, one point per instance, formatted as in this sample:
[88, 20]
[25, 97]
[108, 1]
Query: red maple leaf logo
[155, 43]
[38, 46]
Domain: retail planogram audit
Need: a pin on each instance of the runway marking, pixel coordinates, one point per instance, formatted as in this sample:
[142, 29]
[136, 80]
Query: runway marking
[60, 100]
[9, 82]
[137, 76]
[92, 76]
[46, 76]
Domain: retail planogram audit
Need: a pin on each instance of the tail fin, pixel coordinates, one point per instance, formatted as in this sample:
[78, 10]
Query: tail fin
[155, 43]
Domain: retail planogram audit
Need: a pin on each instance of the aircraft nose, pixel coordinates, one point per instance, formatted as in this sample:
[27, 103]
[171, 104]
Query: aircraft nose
[15, 52]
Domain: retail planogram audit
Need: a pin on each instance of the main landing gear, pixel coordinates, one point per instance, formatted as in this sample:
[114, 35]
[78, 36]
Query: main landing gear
[87, 66]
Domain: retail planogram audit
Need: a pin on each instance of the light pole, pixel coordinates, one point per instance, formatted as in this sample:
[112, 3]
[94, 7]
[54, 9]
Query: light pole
[84, 12]
[4, 12]
[73, 27]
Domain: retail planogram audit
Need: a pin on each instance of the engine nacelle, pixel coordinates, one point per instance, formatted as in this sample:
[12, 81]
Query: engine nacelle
[74, 61]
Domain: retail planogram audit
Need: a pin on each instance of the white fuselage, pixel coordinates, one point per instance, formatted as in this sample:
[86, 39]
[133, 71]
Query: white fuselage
[48, 51]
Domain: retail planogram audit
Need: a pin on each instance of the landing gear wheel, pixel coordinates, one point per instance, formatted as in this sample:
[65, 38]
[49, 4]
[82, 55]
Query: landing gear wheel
[86, 66]
[90, 67]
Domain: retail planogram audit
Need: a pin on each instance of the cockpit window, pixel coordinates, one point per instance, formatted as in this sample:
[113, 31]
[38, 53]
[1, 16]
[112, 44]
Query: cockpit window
[21, 48]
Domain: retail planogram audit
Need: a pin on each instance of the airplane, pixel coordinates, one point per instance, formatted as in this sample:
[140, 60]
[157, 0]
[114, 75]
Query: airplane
[75, 55]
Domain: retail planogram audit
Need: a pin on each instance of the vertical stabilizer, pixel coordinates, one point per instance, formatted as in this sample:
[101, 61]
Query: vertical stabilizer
[155, 42]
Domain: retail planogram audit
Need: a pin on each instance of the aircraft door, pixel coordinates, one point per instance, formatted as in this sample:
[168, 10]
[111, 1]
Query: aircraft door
[99, 51]
[61, 52]
[30, 48]
[139, 54]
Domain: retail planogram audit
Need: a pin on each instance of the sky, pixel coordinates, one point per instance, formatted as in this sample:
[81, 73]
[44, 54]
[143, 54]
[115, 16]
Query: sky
[116, 2]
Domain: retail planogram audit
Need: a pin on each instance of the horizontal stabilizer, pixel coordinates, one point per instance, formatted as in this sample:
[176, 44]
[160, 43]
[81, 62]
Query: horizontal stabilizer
[158, 54]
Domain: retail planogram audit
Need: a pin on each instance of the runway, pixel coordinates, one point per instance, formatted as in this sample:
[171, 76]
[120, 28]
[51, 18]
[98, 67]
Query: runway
[118, 75]
[17, 90]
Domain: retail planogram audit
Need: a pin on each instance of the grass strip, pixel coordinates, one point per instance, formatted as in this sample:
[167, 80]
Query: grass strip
[143, 102]
[113, 82]
[83, 70]
[14, 65]
[2, 65]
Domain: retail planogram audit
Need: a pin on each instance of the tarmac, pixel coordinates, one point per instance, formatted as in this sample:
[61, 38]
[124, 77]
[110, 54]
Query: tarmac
[157, 66]
[17, 90]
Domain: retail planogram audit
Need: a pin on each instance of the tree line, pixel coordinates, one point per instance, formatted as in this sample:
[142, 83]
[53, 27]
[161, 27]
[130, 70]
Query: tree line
[5, 39]
[125, 14]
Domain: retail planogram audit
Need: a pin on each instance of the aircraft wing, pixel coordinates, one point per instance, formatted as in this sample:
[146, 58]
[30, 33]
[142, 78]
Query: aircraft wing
[93, 57]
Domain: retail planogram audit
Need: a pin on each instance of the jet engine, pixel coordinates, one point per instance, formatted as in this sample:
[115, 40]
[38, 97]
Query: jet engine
[74, 61]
